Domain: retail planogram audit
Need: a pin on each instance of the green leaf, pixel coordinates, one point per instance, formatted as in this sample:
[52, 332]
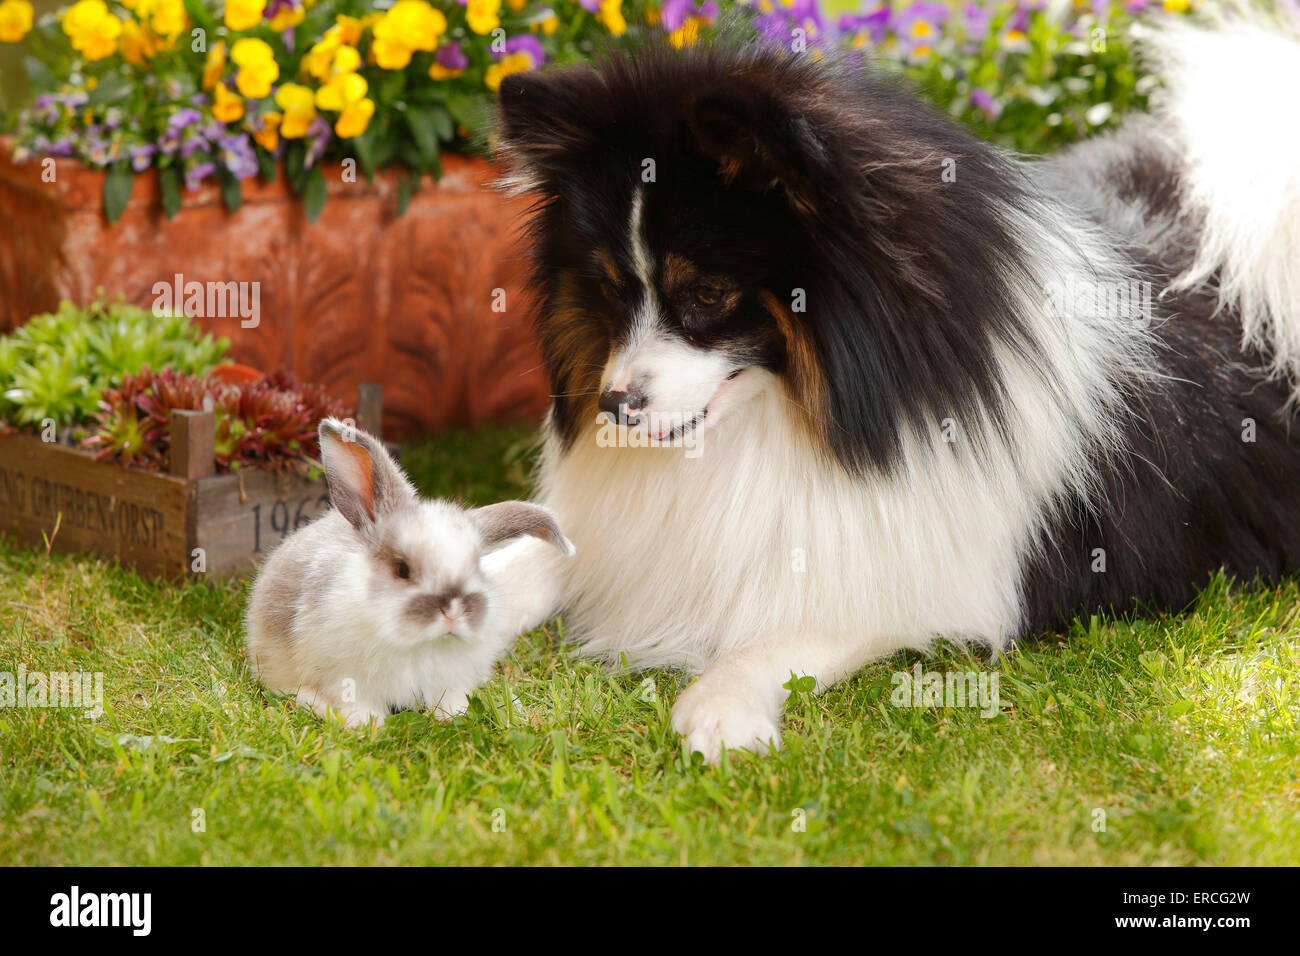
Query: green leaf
[385, 149]
[424, 130]
[294, 170]
[38, 74]
[117, 189]
[111, 89]
[363, 145]
[313, 194]
[232, 196]
[266, 165]
[466, 109]
[169, 179]
[199, 14]
[403, 195]
[410, 155]
[390, 86]
[442, 124]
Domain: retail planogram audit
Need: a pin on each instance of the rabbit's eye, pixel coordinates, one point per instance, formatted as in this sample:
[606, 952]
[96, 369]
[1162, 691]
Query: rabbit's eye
[403, 570]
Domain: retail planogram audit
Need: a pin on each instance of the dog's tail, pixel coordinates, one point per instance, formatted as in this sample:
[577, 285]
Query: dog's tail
[1230, 102]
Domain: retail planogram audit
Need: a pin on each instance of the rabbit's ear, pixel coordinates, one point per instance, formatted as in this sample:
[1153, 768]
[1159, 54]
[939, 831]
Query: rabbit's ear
[505, 520]
[364, 481]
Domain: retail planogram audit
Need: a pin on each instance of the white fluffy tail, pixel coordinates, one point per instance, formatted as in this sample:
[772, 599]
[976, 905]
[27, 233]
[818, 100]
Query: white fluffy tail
[1231, 98]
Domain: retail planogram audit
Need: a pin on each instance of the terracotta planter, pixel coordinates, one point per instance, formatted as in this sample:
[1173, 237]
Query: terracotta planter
[361, 295]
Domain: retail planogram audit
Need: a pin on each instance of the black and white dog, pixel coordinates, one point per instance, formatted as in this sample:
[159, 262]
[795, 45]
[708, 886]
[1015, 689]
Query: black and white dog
[879, 383]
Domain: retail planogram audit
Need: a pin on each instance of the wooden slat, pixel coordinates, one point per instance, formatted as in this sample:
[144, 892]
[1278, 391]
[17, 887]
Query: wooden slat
[237, 524]
[137, 517]
[370, 409]
[193, 443]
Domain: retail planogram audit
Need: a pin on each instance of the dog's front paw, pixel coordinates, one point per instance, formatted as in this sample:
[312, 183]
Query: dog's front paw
[710, 718]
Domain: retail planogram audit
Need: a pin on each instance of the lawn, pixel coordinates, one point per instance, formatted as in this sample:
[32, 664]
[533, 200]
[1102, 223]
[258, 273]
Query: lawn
[1169, 740]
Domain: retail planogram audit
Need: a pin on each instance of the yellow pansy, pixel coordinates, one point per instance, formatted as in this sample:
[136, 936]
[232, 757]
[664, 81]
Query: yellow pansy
[354, 120]
[137, 44]
[482, 15]
[318, 59]
[92, 29]
[214, 64]
[244, 14]
[348, 29]
[330, 58]
[345, 94]
[550, 24]
[409, 26]
[298, 103]
[514, 63]
[257, 67]
[346, 60]
[288, 17]
[15, 20]
[167, 18]
[686, 34]
[1176, 6]
[516, 5]
[340, 91]
[268, 137]
[440, 72]
[226, 106]
[611, 15]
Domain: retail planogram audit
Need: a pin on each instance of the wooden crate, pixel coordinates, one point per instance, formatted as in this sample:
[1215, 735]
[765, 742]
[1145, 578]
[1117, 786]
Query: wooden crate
[189, 523]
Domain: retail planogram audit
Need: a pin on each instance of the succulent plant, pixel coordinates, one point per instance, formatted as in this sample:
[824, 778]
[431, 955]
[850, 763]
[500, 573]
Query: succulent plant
[126, 434]
[269, 423]
[56, 365]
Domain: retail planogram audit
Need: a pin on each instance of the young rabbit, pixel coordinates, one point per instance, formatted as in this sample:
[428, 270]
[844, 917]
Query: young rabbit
[380, 603]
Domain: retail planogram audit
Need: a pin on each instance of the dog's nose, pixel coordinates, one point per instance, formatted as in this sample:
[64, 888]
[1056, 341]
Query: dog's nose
[614, 401]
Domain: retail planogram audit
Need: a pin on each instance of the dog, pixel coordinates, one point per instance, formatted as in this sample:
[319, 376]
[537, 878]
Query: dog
[833, 379]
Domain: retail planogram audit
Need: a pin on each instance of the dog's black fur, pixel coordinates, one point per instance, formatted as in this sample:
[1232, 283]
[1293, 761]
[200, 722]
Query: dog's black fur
[783, 174]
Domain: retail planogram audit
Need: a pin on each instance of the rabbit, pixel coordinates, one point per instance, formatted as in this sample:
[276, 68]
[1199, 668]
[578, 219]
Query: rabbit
[381, 604]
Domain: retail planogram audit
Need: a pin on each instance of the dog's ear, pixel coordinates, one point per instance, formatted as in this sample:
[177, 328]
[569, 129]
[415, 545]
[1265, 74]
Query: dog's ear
[543, 122]
[759, 142]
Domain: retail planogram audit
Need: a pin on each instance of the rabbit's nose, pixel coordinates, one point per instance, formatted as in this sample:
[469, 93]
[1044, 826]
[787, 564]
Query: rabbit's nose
[429, 607]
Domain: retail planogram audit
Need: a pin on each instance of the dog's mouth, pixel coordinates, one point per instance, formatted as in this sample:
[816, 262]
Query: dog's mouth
[680, 431]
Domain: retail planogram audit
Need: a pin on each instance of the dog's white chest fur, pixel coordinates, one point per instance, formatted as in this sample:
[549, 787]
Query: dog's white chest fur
[682, 560]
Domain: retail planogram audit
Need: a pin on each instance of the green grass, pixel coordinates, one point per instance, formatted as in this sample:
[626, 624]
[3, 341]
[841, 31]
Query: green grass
[1183, 729]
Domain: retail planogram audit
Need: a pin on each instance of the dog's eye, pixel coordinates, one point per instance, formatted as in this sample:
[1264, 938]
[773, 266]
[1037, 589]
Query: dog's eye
[708, 296]
[609, 291]
[402, 570]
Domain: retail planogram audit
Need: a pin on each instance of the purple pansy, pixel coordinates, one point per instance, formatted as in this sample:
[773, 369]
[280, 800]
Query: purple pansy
[526, 43]
[983, 101]
[237, 155]
[183, 117]
[317, 138]
[452, 57]
[141, 156]
[196, 173]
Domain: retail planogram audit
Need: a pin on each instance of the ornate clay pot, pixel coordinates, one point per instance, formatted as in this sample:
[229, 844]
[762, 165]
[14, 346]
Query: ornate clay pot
[430, 304]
